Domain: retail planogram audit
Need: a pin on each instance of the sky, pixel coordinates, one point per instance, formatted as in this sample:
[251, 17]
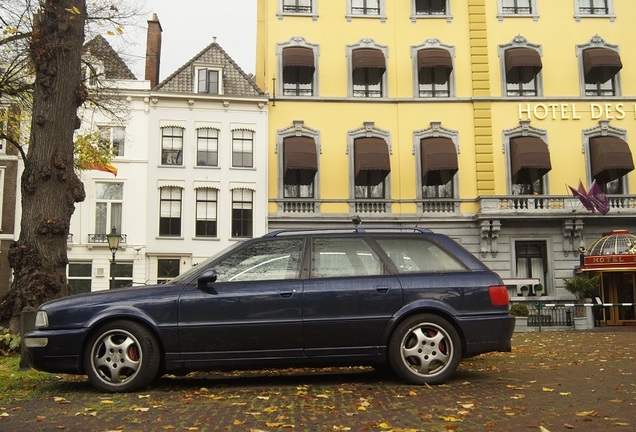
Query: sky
[191, 25]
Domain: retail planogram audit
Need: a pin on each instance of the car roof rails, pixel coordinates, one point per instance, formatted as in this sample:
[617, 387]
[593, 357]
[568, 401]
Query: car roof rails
[349, 230]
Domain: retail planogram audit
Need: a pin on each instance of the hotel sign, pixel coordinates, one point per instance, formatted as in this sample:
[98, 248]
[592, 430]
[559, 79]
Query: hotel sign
[627, 260]
[576, 111]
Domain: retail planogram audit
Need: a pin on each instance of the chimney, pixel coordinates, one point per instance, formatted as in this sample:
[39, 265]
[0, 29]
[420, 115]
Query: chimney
[153, 50]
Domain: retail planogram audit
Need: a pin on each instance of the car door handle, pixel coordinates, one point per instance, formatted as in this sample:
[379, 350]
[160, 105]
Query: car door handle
[382, 289]
[286, 294]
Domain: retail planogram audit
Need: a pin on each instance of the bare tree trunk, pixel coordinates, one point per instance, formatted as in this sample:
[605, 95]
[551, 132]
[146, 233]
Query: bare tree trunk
[50, 186]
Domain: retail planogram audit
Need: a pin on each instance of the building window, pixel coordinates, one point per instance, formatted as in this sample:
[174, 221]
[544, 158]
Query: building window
[79, 277]
[113, 138]
[430, 7]
[610, 160]
[109, 198]
[368, 67]
[529, 165]
[208, 81]
[170, 211]
[242, 212]
[297, 6]
[365, 7]
[167, 269]
[599, 66]
[300, 165]
[171, 146]
[298, 71]
[593, 7]
[521, 67]
[434, 68]
[242, 148]
[531, 261]
[122, 275]
[207, 147]
[206, 212]
[372, 166]
[438, 166]
[516, 7]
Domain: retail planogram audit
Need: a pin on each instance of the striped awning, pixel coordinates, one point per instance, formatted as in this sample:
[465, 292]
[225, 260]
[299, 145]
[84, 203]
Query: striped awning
[368, 58]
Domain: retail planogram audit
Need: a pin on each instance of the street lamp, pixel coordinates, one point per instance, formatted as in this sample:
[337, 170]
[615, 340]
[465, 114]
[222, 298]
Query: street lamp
[113, 245]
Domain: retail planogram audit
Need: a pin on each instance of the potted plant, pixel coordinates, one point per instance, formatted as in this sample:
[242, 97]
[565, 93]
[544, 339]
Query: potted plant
[582, 287]
[520, 312]
[524, 290]
[538, 289]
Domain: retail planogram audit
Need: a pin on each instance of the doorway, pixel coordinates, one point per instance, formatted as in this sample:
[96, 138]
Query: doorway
[618, 288]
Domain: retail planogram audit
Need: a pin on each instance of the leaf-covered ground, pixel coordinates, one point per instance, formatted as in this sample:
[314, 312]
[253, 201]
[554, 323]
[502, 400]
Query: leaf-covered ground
[551, 381]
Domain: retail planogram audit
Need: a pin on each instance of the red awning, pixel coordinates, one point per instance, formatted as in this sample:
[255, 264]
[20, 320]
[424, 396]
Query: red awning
[529, 159]
[522, 65]
[610, 158]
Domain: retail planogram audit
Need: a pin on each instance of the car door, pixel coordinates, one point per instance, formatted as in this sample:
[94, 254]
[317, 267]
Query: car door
[253, 309]
[348, 299]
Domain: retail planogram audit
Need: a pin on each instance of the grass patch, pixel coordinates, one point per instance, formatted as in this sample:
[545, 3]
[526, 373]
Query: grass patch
[17, 384]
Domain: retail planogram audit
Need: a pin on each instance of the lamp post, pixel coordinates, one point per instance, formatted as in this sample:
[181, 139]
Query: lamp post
[113, 245]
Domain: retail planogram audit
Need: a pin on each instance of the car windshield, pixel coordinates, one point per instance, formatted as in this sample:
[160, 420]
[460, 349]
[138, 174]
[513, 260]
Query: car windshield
[200, 267]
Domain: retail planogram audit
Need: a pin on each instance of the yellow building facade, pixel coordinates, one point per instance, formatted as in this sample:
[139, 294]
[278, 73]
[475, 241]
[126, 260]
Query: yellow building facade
[469, 117]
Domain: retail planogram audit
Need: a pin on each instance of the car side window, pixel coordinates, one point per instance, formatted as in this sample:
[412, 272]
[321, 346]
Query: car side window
[266, 260]
[419, 256]
[341, 257]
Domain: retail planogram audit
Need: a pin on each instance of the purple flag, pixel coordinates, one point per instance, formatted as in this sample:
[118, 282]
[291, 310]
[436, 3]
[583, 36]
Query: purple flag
[599, 199]
[582, 195]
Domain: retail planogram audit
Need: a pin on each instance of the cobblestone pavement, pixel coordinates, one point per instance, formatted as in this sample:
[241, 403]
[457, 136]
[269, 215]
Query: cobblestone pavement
[554, 381]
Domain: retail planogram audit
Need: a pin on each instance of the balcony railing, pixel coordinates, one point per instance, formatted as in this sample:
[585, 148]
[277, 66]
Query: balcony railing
[102, 238]
[549, 205]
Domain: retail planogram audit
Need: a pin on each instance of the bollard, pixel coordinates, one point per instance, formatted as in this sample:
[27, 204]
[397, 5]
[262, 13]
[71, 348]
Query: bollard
[538, 305]
[27, 324]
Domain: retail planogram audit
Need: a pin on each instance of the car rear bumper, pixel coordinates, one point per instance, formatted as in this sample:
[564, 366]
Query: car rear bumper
[55, 351]
[487, 333]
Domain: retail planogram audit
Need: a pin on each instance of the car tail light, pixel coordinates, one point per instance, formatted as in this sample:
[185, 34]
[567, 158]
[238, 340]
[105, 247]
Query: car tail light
[498, 295]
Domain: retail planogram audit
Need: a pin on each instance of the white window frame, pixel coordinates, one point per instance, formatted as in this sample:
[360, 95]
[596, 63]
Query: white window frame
[297, 42]
[382, 16]
[208, 140]
[196, 210]
[432, 43]
[110, 140]
[534, 15]
[313, 13]
[367, 43]
[436, 130]
[109, 211]
[597, 42]
[69, 277]
[578, 4]
[415, 16]
[241, 140]
[518, 42]
[298, 129]
[524, 129]
[161, 146]
[207, 68]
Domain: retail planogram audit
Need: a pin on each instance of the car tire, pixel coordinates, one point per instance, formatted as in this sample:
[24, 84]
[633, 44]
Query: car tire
[425, 349]
[121, 356]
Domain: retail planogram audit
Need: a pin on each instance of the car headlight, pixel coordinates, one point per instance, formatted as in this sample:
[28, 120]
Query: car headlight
[41, 320]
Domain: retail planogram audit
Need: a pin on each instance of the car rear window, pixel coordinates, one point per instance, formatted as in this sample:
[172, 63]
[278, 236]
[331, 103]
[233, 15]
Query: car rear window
[418, 255]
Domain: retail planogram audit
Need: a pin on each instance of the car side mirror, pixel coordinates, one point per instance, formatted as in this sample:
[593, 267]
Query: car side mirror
[208, 276]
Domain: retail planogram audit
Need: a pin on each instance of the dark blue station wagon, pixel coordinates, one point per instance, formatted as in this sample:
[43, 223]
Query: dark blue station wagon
[354, 296]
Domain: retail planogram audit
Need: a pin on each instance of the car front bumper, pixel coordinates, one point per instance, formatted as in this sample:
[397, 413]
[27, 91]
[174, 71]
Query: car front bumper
[56, 351]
